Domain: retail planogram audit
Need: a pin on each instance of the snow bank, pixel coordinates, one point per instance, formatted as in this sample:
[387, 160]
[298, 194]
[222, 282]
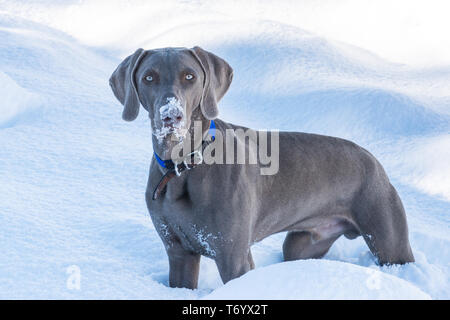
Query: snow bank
[15, 100]
[420, 25]
[427, 164]
[317, 279]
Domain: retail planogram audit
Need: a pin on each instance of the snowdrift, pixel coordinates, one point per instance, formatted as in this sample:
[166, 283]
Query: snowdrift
[316, 279]
[15, 100]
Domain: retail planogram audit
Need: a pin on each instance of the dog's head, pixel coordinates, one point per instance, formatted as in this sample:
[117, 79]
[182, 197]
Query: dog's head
[176, 86]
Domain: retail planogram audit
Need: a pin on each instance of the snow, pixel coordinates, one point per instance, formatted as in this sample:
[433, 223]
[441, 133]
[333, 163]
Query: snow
[203, 239]
[315, 279]
[15, 100]
[73, 174]
[171, 109]
[402, 31]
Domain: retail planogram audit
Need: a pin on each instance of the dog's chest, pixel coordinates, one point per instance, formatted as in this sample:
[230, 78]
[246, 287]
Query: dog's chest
[199, 239]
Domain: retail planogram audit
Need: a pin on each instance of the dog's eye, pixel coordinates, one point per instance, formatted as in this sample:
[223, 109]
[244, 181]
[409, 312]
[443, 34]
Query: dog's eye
[149, 78]
[189, 76]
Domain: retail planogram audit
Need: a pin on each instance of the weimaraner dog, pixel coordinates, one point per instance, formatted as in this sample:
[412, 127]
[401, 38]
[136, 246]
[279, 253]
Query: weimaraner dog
[325, 187]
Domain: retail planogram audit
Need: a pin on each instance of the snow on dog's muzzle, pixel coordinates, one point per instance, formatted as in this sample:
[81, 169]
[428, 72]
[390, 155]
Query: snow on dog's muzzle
[172, 120]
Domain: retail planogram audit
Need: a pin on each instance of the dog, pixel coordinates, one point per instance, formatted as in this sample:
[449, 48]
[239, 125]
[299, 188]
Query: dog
[324, 186]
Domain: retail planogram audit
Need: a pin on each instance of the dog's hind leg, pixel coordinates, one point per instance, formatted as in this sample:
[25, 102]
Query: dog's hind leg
[381, 220]
[315, 242]
[304, 245]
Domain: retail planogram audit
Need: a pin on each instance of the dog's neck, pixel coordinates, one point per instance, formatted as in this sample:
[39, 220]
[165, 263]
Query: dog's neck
[171, 169]
[196, 142]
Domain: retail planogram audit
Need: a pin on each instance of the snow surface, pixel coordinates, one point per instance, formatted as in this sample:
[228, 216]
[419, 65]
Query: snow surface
[15, 100]
[73, 174]
[316, 279]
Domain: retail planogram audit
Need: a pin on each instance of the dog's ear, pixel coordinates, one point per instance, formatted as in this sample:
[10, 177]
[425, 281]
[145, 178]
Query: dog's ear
[123, 85]
[218, 77]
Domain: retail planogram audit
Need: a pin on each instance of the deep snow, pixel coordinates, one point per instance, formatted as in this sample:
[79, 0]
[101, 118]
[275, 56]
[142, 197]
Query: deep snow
[73, 174]
[317, 279]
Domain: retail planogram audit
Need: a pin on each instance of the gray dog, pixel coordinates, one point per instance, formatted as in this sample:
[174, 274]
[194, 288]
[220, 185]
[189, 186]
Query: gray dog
[325, 187]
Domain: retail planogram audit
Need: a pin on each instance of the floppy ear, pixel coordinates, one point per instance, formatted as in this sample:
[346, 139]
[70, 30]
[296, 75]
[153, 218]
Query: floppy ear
[218, 77]
[123, 85]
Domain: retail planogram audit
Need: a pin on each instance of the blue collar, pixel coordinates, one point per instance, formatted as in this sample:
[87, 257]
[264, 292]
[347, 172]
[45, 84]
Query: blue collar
[169, 163]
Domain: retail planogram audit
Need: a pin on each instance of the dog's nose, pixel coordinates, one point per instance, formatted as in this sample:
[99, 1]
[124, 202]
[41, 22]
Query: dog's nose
[172, 112]
[171, 120]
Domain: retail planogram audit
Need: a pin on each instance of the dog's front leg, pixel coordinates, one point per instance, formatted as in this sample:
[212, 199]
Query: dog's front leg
[184, 264]
[234, 264]
[184, 267]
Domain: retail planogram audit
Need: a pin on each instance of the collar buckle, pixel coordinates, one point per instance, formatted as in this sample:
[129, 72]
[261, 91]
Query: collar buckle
[177, 171]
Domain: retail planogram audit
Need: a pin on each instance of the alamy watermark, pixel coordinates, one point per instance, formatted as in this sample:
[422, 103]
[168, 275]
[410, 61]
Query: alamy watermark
[373, 282]
[74, 277]
[238, 146]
